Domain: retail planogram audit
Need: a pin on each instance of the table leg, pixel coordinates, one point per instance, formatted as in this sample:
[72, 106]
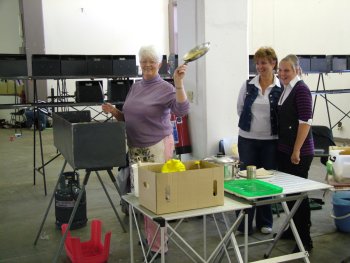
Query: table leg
[289, 220]
[132, 216]
[171, 233]
[246, 237]
[229, 234]
[131, 235]
[162, 243]
[174, 232]
[205, 236]
[233, 240]
[293, 227]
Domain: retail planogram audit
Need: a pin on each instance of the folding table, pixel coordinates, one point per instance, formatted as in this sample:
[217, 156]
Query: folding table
[230, 204]
[294, 189]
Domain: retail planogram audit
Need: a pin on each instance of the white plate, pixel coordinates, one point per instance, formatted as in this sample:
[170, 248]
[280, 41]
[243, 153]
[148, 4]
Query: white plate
[260, 173]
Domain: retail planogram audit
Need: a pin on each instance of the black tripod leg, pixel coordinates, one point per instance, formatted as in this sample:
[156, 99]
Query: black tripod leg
[49, 161]
[35, 98]
[77, 202]
[42, 155]
[48, 208]
[110, 201]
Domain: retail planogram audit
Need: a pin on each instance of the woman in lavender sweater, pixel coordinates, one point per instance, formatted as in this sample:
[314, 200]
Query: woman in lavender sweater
[146, 113]
[295, 143]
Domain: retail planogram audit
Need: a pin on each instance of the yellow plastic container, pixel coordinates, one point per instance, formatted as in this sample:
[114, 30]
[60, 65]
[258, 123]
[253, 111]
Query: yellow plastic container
[172, 166]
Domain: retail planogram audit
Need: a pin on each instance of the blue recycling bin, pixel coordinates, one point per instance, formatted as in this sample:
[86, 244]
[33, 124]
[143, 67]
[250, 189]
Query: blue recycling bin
[341, 209]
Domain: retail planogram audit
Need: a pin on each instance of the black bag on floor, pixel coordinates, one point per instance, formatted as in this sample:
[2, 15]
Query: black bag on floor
[65, 197]
[123, 180]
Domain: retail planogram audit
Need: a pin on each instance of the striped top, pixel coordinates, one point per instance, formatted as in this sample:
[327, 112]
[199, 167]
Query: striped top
[301, 98]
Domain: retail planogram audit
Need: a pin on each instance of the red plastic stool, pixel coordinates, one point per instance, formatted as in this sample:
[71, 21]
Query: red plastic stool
[92, 251]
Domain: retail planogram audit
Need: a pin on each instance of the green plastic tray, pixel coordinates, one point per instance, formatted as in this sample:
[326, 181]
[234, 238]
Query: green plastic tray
[251, 187]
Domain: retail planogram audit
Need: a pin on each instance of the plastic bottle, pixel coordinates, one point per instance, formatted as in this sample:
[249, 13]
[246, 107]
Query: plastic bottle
[197, 164]
[227, 171]
[329, 166]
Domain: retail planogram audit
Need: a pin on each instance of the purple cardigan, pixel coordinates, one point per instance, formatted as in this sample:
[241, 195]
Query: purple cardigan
[147, 111]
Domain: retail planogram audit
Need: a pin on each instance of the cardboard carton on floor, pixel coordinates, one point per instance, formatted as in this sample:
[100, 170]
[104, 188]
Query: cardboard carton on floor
[172, 192]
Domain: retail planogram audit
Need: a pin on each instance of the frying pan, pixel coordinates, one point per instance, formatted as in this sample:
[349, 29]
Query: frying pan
[196, 52]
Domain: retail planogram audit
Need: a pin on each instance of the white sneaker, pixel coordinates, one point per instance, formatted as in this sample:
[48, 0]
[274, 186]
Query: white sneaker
[266, 230]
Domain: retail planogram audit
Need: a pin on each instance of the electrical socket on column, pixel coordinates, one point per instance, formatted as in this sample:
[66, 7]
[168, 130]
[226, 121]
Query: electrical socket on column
[340, 125]
[189, 94]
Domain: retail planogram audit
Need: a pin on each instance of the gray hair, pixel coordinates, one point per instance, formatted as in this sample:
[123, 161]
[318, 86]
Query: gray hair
[150, 52]
[293, 60]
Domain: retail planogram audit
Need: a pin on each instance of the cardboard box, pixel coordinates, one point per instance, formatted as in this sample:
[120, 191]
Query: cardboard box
[343, 150]
[172, 192]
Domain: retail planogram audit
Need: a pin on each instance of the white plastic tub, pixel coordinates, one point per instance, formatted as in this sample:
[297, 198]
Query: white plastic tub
[341, 165]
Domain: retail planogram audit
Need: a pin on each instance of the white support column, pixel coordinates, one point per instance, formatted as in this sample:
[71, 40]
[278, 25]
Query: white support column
[33, 28]
[215, 79]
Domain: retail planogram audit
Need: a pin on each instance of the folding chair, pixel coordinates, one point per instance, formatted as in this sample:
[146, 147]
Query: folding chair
[17, 118]
[323, 138]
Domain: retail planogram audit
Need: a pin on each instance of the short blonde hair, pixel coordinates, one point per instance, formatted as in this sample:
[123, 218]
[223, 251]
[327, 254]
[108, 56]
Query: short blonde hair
[150, 52]
[266, 52]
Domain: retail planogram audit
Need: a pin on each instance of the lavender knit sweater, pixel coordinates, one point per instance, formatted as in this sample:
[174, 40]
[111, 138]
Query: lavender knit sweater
[147, 111]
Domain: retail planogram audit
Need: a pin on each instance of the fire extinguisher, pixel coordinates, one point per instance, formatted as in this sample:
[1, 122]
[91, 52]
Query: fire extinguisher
[181, 134]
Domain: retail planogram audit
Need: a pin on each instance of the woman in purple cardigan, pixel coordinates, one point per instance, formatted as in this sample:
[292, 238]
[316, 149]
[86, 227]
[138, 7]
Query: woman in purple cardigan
[146, 113]
[295, 143]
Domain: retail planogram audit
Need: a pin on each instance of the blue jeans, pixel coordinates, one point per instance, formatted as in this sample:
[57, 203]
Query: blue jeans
[30, 119]
[262, 154]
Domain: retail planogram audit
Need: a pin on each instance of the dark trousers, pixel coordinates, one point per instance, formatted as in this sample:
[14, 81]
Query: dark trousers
[302, 217]
[30, 119]
[261, 153]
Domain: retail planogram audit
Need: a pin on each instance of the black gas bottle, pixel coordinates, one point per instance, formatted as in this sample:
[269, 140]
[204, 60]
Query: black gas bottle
[65, 197]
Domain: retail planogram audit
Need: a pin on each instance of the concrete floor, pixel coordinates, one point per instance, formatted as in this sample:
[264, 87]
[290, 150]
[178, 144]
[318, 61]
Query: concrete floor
[23, 205]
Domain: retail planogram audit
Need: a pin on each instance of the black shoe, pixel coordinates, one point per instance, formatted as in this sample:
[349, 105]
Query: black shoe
[287, 235]
[151, 254]
[308, 247]
[239, 232]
